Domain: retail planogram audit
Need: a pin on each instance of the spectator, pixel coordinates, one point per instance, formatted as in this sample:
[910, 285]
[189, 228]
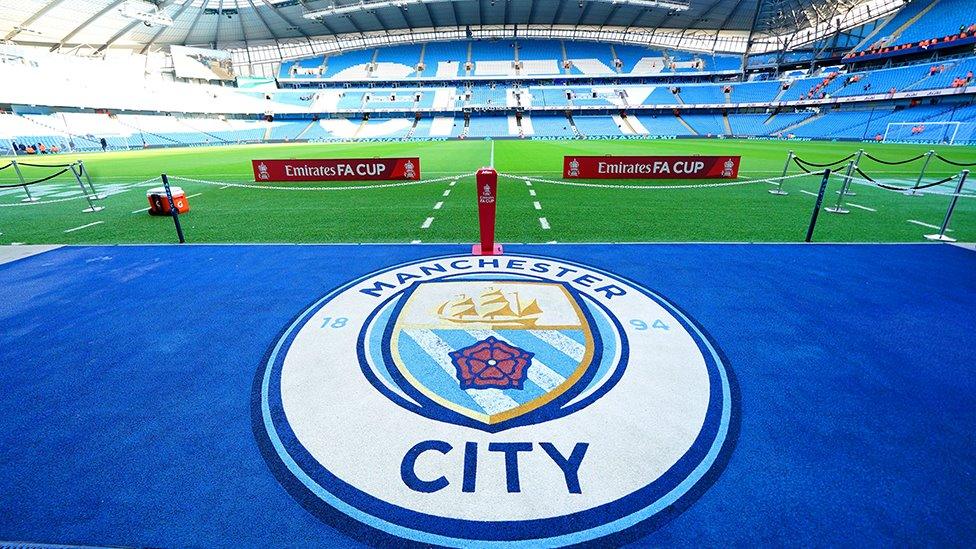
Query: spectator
[41, 148]
[55, 149]
[13, 145]
[30, 150]
[103, 143]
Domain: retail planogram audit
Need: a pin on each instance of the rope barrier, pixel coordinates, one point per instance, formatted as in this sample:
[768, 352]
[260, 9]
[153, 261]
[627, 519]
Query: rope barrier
[76, 197]
[9, 164]
[960, 164]
[815, 165]
[44, 165]
[42, 180]
[801, 166]
[926, 186]
[864, 175]
[896, 163]
[650, 187]
[343, 188]
[897, 189]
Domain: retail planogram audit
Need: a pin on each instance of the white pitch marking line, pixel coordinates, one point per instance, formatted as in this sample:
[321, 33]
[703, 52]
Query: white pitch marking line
[415, 242]
[427, 223]
[438, 205]
[927, 225]
[83, 227]
[453, 183]
[544, 222]
[194, 195]
[861, 207]
[528, 183]
[537, 205]
[808, 192]
[224, 187]
[146, 209]
[531, 192]
[491, 161]
[447, 192]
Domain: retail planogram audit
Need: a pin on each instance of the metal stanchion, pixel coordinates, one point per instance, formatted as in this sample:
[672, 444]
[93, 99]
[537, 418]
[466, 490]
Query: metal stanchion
[839, 207]
[816, 207]
[779, 186]
[921, 174]
[23, 182]
[84, 170]
[91, 206]
[948, 216]
[172, 209]
[846, 189]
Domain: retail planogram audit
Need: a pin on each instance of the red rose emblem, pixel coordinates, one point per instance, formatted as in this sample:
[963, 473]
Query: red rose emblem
[491, 363]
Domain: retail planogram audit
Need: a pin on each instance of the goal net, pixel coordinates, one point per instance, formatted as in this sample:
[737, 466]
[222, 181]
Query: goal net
[950, 133]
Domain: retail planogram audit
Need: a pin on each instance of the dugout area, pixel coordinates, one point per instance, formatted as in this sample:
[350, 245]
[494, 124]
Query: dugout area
[130, 419]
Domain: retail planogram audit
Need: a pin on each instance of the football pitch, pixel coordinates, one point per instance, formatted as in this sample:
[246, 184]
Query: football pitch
[534, 206]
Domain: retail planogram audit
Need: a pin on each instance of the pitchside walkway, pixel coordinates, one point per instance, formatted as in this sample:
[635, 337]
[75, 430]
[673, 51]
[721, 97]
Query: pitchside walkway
[131, 416]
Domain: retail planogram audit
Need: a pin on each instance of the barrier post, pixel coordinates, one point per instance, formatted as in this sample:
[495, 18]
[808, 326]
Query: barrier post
[173, 211]
[91, 206]
[23, 183]
[816, 208]
[948, 216]
[846, 189]
[839, 207]
[486, 186]
[779, 187]
[921, 174]
[84, 170]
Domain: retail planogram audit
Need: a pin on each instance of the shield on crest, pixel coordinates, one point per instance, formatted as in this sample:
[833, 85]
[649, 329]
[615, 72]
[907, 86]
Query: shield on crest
[491, 350]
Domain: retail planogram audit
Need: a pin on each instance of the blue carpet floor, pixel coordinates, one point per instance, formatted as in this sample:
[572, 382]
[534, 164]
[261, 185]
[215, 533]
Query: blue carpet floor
[126, 378]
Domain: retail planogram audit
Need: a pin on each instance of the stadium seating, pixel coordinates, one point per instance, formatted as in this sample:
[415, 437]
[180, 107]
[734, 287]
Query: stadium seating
[617, 105]
[488, 126]
[596, 126]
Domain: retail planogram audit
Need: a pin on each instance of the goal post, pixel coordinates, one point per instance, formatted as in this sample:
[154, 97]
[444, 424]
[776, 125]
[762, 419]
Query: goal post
[948, 133]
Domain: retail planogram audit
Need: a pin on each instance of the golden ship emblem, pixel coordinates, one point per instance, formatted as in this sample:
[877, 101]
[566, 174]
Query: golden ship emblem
[493, 308]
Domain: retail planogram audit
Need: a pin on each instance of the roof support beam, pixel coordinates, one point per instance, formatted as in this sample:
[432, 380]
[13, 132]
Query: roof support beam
[457, 20]
[193, 25]
[557, 13]
[610, 14]
[430, 16]
[37, 15]
[264, 22]
[160, 31]
[291, 23]
[87, 22]
[220, 17]
[125, 30]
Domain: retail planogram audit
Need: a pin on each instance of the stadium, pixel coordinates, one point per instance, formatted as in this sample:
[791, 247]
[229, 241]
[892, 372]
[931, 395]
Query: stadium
[487, 273]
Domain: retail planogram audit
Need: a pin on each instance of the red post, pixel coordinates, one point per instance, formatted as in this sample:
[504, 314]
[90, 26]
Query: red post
[487, 186]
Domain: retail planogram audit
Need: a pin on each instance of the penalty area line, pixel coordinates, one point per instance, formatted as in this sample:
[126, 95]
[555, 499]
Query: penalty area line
[427, 222]
[930, 226]
[84, 226]
[865, 208]
[544, 222]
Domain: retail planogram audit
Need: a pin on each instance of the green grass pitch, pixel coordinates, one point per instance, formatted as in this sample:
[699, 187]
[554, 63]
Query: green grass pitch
[442, 212]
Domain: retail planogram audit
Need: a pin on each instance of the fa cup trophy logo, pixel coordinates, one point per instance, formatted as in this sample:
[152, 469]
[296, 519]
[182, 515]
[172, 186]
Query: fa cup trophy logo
[574, 168]
[729, 165]
[408, 170]
[263, 172]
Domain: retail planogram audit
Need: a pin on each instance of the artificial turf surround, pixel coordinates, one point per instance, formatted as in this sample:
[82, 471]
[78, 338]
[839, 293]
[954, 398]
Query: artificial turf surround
[743, 213]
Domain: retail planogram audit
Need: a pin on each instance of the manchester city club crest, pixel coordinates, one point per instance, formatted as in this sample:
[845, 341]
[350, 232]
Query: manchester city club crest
[508, 400]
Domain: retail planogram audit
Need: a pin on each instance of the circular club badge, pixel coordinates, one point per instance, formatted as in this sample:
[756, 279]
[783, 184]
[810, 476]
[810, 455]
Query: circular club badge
[501, 400]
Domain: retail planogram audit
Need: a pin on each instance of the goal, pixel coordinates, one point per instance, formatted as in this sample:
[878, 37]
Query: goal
[950, 133]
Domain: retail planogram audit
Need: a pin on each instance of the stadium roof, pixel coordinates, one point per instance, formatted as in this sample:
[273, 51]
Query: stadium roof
[223, 23]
